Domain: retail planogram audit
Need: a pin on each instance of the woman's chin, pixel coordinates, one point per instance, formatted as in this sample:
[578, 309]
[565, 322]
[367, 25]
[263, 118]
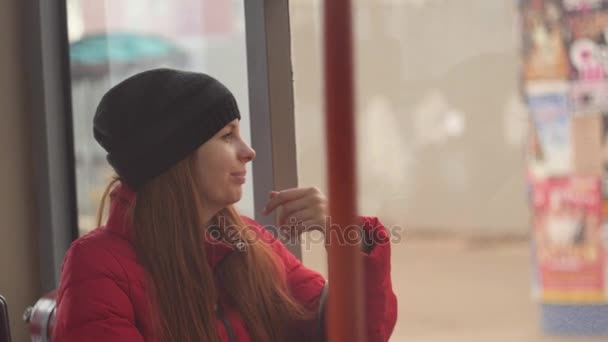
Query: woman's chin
[236, 198]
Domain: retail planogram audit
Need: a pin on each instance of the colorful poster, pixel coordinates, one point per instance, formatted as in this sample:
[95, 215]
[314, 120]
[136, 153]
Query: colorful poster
[544, 47]
[587, 144]
[587, 45]
[589, 97]
[549, 109]
[604, 235]
[604, 154]
[582, 5]
[568, 239]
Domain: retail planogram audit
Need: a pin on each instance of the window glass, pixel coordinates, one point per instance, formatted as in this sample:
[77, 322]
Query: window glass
[111, 40]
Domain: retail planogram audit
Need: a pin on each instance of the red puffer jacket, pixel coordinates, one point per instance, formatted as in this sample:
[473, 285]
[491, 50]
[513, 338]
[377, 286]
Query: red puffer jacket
[102, 294]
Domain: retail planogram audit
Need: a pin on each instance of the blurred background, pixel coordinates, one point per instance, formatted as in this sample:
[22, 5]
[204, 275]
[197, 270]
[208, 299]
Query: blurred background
[480, 135]
[448, 154]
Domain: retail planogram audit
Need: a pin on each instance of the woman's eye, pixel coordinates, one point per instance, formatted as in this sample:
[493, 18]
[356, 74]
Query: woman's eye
[227, 135]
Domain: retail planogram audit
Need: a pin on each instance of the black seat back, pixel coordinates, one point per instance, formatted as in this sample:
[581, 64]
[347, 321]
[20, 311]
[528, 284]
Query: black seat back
[5, 329]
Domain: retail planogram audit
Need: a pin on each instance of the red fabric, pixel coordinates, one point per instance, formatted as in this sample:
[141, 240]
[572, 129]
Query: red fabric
[102, 294]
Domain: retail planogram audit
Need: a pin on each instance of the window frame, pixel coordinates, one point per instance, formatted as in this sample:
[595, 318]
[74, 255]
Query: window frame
[52, 137]
[271, 101]
[271, 112]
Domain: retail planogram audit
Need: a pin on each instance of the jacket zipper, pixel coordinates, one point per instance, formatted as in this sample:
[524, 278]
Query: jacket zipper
[227, 325]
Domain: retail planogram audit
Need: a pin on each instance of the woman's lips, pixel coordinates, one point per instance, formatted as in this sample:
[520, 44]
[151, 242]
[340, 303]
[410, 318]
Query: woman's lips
[239, 177]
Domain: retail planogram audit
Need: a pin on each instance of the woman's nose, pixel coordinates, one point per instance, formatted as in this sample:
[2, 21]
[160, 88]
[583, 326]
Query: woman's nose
[248, 153]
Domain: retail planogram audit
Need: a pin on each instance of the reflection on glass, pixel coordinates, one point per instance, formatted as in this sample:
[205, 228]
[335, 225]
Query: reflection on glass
[111, 40]
[442, 130]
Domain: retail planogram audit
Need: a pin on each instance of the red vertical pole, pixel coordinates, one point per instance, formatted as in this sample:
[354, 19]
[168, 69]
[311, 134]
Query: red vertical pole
[346, 320]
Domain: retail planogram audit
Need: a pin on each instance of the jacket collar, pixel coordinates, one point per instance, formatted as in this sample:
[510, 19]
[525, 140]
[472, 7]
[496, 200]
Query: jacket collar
[122, 198]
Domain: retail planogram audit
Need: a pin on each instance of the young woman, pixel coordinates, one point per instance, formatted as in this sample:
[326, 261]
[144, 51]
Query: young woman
[175, 261]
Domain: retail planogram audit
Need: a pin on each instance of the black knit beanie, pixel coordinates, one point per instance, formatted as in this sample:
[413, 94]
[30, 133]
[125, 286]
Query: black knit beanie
[152, 120]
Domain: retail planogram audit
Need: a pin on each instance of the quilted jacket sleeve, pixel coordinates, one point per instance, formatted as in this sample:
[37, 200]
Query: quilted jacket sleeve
[380, 301]
[93, 302]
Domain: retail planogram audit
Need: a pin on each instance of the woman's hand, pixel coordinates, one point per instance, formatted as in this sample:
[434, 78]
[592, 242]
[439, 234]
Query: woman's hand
[301, 210]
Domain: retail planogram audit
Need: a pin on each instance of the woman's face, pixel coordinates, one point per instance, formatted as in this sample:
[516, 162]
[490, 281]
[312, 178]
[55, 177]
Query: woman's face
[220, 164]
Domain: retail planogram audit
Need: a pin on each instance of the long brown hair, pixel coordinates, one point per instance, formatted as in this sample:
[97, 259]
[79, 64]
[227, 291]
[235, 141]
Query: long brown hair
[169, 234]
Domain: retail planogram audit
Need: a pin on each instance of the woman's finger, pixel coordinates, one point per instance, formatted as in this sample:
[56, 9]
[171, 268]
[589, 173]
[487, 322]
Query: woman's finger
[281, 197]
[298, 217]
[294, 206]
